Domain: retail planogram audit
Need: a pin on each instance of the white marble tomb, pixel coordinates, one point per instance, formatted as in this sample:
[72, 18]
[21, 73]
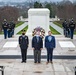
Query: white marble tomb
[38, 17]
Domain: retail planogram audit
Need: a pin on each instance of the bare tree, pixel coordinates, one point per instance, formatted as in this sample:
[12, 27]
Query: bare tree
[8, 13]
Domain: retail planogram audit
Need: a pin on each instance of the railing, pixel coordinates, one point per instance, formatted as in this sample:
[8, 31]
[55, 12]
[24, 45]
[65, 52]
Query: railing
[2, 69]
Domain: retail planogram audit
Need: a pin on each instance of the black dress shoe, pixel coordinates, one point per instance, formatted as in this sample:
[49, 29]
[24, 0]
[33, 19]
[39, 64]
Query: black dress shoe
[24, 61]
[39, 62]
[21, 61]
[35, 62]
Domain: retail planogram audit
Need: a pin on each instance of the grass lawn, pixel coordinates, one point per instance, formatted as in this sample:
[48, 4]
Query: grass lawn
[26, 28]
[54, 31]
[75, 32]
[58, 23]
[1, 32]
[20, 23]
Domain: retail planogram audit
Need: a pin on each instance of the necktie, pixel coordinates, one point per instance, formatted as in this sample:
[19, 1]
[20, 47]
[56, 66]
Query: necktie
[37, 39]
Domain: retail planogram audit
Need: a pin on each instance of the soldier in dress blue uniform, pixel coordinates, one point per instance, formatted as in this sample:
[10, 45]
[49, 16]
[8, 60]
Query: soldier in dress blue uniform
[72, 27]
[50, 44]
[13, 28]
[23, 43]
[9, 30]
[65, 28]
[5, 26]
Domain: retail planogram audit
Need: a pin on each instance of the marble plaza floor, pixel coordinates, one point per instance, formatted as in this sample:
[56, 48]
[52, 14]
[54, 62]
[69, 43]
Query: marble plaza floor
[65, 46]
[59, 67]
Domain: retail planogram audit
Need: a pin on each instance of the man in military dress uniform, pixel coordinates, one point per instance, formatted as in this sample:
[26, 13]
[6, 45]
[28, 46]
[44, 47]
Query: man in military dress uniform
[9, 30]
[13, 28]
[72, 27]
[23, 43]
[4, 27]
[65, 28]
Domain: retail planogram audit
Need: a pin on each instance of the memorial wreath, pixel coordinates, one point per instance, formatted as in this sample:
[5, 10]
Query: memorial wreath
[42, 31]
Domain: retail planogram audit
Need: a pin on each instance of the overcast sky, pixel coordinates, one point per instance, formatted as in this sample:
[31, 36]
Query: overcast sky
[28, 0]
